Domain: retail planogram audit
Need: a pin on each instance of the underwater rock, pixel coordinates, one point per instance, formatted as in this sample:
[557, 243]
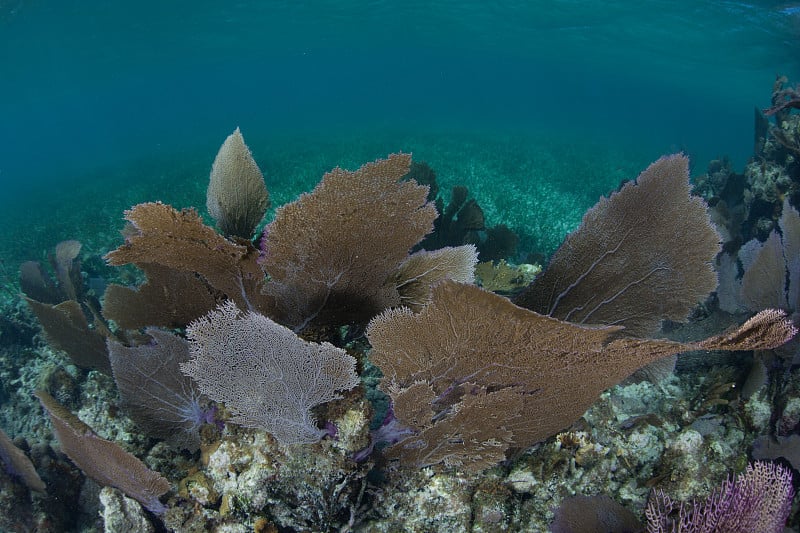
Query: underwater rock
[121, 513]
[758, 410]
[199, 488]
[492, 504]
[593, 514]
[768, 183]
[786, 447]
[424, 500]
[314, 487]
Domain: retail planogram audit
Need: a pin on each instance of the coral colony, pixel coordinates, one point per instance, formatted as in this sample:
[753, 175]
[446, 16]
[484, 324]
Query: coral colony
[342, 362]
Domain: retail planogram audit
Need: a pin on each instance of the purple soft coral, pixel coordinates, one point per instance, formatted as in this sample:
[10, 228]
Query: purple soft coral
[758, 500]
[390, 432]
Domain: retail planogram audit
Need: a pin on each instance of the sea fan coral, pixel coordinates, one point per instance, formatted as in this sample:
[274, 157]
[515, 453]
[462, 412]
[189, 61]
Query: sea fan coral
[237, 197]
[266, 375]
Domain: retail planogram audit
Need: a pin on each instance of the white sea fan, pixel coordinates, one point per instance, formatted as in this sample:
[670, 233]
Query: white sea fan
[267, 376]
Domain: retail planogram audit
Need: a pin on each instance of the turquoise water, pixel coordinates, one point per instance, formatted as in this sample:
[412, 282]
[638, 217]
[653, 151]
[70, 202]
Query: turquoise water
[86, 85]
[94, 94]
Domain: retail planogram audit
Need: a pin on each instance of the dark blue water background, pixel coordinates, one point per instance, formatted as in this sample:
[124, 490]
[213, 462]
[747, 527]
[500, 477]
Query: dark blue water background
[92, 85]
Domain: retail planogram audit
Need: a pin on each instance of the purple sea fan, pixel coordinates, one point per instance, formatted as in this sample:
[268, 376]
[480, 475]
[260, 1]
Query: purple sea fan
[104, 461]
[263, 244]
[18, 465]
[163, 401]
[757, 500]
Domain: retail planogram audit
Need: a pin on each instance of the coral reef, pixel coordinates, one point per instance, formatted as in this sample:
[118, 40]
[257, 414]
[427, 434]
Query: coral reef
[745, 206]
[462, 408]
[487, 416]
[104, 461]
[164, 402]
[331, 255]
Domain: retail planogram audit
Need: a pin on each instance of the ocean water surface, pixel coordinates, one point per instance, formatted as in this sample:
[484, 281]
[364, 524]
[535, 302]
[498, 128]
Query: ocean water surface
[538, 108]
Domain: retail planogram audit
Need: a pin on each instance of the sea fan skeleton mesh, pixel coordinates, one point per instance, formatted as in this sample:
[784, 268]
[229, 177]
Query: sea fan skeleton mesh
[757, 500]
[331, 253]
[641, 255]
[18, 464]
[485, 367]
[266, 375]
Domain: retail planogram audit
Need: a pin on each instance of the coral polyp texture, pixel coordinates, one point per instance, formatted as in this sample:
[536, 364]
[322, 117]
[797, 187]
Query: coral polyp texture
[757, 500]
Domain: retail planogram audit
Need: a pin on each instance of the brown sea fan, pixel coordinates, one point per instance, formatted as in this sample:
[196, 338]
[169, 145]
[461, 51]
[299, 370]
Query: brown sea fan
[237, 196]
